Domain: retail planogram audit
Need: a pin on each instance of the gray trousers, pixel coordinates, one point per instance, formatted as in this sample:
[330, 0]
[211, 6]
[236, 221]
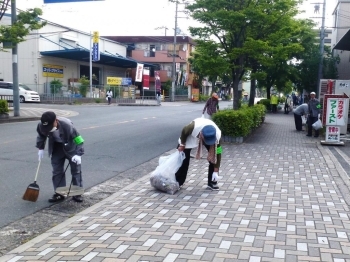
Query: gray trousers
[57, 161]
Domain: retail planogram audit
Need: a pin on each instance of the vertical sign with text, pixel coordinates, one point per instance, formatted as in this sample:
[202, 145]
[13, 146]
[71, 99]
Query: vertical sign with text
[95, 46]
[139, 71]
[145, 81]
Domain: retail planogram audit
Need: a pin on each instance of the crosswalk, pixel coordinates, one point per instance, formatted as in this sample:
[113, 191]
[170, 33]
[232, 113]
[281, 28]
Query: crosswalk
[37, 112]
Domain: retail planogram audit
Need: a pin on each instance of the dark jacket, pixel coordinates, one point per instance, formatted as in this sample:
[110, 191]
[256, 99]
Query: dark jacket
[314, 107]
[67, 134]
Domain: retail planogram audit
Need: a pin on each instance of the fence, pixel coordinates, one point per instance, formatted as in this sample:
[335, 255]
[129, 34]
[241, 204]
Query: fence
[9, 100]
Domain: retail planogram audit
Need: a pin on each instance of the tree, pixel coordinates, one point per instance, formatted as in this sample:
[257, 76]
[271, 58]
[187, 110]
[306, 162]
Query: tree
[244, 32]
[84, 84]
[26, 21]
[55, 86]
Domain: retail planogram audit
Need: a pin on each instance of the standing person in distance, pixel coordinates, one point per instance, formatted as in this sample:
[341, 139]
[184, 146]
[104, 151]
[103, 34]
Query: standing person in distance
[201, 132]
[212, 105]
[64, 143]
[300, 111]
[158, 87]
[314, 107]
[109, 95]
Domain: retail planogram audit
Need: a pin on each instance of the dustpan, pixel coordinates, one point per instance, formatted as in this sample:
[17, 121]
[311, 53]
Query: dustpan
[70, 190]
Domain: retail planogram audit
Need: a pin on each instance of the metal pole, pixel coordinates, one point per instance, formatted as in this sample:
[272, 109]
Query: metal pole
[322, 35]
[174, 53]
[15, 64]
[90, 65]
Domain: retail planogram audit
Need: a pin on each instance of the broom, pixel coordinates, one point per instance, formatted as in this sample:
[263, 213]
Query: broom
[32, 191]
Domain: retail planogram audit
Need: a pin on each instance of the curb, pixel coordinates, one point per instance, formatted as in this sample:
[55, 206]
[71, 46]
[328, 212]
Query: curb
[13, 119]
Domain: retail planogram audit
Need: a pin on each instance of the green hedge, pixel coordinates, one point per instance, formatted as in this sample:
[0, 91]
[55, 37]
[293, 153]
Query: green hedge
[266, 103]
[240, 123]
[4, 107]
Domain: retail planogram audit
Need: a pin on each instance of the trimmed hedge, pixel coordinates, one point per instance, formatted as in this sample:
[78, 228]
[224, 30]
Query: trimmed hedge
[4, 107]
[240, 123]
[266, 103]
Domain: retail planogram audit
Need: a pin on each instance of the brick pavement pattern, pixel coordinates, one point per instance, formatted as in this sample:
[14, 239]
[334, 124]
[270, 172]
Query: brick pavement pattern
[277, 202]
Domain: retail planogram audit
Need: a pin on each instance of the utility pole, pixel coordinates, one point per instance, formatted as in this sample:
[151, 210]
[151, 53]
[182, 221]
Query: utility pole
[174, 53]
[14, 64]
[322, 36]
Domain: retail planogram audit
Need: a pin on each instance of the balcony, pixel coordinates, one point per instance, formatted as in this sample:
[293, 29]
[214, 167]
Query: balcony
[159, 56]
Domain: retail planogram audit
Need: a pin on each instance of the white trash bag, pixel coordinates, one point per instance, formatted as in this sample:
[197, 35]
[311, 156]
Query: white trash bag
[163, 178]
[317, 125]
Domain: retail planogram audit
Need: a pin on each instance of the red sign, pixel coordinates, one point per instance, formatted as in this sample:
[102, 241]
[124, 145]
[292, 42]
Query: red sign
[145, 81]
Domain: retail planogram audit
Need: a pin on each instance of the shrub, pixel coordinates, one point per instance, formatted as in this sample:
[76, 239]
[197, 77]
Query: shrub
[55, 86]
[4, 107]
[203, 97]
[239, 123]
[97, 100]
[84, 84]
[266, 103]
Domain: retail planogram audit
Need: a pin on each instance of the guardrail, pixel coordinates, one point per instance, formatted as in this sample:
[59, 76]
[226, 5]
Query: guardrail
[9, 100]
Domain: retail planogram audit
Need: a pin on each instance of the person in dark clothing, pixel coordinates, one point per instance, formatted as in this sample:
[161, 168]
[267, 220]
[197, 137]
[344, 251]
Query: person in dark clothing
[199, 132]
[314, 114]
[298, 113]
[64, 143]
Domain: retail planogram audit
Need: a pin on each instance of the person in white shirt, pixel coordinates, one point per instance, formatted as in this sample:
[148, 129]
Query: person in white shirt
[109, 95]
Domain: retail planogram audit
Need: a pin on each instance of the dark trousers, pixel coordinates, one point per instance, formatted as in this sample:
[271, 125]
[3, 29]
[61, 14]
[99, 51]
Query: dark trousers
[286, 108]
[310, 121]
[274, 108]
[109, 100]
[57, 161]
[298, 122]
[181, 174]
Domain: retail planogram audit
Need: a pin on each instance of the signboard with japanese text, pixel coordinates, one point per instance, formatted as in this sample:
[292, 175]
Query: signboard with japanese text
[67, 1]
[145, 81]
[95, 46]
[117, 81]
[52, 71]
[139, 71]
[333, 134]
[336, 111]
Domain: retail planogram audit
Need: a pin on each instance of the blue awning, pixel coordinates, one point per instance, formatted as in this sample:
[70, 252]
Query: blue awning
[80, 54]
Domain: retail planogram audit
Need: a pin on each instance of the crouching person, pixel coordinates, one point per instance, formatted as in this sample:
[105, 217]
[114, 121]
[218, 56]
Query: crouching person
[201, 132]
[64, 143]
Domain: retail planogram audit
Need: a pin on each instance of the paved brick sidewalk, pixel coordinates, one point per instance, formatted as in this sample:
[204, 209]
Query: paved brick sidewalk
[277, 202]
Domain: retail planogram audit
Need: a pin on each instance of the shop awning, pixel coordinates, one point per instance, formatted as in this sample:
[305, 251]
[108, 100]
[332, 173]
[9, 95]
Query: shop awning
[80, 54]
[344, 42]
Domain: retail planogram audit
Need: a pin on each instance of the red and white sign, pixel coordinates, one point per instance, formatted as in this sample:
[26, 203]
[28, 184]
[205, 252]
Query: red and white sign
[333, 134]
[334, 109]
[139, 70]
[145, 81]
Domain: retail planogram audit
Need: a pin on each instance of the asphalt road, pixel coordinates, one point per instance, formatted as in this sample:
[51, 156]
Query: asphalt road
[117, 138]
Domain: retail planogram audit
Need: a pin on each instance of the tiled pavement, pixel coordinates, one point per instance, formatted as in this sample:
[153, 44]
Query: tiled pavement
[277, 202]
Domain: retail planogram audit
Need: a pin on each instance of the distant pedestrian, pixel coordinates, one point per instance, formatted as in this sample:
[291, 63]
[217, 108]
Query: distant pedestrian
[314, 114]
[64, 143]
[295, 100]
[109, 95]
[273, 103]
[287, 104]
[212, 105]
[158, 90]
[201, 132]
[300, 111]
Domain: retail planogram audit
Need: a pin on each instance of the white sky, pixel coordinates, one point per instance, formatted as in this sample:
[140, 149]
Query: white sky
[135, 17]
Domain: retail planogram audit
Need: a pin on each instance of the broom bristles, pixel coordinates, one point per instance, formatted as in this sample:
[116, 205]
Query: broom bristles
[31, 193]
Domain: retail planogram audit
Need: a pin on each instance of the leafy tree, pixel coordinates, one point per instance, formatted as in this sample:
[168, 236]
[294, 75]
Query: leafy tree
[84, 84]
[246, 32]
[26, 21]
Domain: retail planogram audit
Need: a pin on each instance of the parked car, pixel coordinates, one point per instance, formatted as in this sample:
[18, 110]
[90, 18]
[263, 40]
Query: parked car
[25, 93]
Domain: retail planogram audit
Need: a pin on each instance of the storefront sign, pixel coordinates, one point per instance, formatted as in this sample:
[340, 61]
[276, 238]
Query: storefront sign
[52, 71]
[117, 81]
[335, 111]
[95, 47]
[145, 81]
[333, 134]
[126, 81]
[139, 70]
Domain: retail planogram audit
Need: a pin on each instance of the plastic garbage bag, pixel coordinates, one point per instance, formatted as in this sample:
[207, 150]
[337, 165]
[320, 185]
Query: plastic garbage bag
[317, 125]
[163, 178]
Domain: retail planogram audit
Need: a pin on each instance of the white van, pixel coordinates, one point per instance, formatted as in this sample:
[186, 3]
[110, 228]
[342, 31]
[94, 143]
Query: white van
[25, 93]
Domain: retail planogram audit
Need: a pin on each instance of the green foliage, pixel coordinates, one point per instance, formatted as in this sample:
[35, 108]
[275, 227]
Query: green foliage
[55, 86]
[203, 97]
[239, 123]
[84, 84]
[266, 103]
[26, 21]
[167, 87]
[97, 100]
[4, 108]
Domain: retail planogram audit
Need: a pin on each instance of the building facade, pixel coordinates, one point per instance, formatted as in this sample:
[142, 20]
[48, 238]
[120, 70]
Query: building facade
[159, 51]
[341, 24]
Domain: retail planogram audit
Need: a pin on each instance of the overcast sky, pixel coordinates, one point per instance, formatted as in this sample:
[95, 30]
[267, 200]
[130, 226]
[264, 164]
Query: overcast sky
[134, 17]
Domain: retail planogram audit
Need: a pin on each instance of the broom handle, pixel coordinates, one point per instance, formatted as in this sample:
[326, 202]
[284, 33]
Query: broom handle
[37, 171]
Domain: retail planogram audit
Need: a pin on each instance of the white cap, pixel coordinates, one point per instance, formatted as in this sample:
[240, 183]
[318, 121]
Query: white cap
[312, 93]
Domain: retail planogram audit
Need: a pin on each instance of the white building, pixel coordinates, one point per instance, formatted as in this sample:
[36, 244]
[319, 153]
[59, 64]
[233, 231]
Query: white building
[61, 52]
[341, 32]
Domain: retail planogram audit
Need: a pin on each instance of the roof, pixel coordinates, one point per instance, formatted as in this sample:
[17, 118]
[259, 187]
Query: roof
[80, 54]
[344, 42]
[151, 39]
